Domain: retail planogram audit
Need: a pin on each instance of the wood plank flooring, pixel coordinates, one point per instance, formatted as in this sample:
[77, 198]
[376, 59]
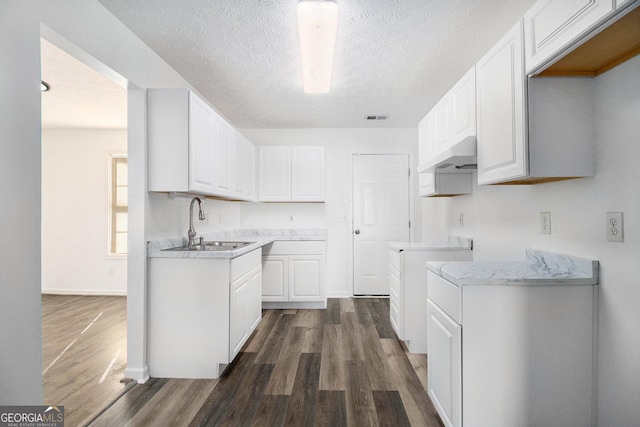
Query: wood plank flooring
[342, 366]
[84, 353]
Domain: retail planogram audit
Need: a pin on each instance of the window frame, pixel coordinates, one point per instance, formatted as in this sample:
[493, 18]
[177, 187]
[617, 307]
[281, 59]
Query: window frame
[112, 210]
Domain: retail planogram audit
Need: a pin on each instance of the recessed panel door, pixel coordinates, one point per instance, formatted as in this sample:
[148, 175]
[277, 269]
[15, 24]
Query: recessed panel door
[380, 215]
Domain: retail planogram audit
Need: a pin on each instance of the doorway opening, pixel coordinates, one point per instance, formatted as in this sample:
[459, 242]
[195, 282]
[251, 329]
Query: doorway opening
[380, 215]
[84, 235]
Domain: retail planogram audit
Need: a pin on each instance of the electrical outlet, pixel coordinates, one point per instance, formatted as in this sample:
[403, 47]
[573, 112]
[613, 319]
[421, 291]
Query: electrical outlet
[545, 222]
[460, 220]
[615, 227]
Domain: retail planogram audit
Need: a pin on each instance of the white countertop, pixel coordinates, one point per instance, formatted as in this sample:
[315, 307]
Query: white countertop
[259, 237]
[454, 243]
[539, 268]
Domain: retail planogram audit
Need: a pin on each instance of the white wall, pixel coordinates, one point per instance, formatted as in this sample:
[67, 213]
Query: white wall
[504, 220]
[75, 198]
[340, 145]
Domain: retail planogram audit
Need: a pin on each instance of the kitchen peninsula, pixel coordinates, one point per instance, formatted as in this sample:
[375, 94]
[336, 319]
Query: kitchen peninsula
[204, 304]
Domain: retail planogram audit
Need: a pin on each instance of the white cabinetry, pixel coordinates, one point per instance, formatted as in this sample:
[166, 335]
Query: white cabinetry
[531, 130]
[445, 184]
[291, 174]
[244, 155]
[512, 355]
[191, 148]
[452, 121]
[201, 312]
[445, 365]
[553, 25]
[408, 288]
[293, 275]
[245, 309]
[501, 96]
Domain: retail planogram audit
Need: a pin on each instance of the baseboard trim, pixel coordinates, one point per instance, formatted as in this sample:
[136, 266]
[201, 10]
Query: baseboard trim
[85, 292]
[293, 305]
[139, 375]
[339, 294]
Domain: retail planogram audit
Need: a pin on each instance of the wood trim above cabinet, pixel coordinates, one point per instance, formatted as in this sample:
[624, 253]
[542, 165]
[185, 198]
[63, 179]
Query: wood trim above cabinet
[609, 48]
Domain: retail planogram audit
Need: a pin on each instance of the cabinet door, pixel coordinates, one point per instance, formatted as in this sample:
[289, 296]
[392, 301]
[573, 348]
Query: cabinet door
[552, 25]
[427, 184]
[501, 97]
[444, 365]
[245, 309]
[440, 140]
[250, 171]
[307, 174]
[423, 140]
[274, 166]
[224, 161]
[275, 278]
[306, 277]
[202, 128]
[462, 99]
[239, 165]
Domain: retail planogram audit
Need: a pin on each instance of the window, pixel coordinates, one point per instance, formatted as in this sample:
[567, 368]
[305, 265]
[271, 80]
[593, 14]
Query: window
[118, 204]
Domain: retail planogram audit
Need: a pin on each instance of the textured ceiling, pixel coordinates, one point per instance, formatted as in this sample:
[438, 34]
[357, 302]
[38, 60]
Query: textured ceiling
[79, 96]
[395, 57]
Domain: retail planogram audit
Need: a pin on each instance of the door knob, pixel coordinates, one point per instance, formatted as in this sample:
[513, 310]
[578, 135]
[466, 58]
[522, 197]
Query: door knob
[357, 231]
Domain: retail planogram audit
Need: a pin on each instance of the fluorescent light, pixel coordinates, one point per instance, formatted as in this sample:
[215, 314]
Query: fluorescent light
[317, 27]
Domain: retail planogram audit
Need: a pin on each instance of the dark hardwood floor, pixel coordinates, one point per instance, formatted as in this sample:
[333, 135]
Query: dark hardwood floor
[84, 353]
[342, 366]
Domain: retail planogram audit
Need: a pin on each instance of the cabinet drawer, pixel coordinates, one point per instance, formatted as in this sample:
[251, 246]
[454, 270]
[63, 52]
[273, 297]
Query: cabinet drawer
[244, 264]
[294, 247]
[446, 295]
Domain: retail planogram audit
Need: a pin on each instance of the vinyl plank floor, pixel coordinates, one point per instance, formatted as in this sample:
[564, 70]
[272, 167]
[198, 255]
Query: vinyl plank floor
[342, 366]
[84, 348]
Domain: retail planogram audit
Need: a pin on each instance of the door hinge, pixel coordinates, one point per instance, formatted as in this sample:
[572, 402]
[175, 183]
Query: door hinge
[409, 224]
[409, 171]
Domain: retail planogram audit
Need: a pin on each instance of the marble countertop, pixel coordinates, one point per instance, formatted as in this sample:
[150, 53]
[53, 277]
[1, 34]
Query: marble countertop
[455, 243]
[539, 268]
[258, 237]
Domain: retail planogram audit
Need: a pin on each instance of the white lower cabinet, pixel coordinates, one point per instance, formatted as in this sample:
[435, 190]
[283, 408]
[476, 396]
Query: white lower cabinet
[200, 313]
[245, 309]
[408, 289]
[293, 275]
[445, 365]
[512, 355]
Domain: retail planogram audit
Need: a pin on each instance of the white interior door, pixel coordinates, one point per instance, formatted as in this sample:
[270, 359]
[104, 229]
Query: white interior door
[380, 215]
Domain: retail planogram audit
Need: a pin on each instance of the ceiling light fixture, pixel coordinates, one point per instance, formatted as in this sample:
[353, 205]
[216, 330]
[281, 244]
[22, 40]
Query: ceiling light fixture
[317, 28]
[44, 86]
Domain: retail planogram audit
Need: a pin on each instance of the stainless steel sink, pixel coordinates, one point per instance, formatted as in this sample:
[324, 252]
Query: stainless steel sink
[211, 246]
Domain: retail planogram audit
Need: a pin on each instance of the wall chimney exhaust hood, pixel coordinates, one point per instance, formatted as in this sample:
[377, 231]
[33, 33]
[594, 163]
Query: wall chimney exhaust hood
[460, 157]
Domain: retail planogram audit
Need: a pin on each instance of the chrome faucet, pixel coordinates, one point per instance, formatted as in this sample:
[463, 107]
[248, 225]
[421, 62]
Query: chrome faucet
[192, 232]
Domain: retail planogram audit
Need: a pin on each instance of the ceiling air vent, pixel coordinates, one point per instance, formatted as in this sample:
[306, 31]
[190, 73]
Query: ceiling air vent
[379, 117]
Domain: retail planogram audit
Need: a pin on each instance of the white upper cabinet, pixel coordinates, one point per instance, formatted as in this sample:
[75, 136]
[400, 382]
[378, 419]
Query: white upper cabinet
[307, 174]
[424, 128]
[441, 139]
[501, 98]
[223, 164]
[193, 149]
[244, 155]
[274, 172]
[445, 184]
[553, 25]
[531, 130]
[462, 107]
[202, 128]
[291, 174]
